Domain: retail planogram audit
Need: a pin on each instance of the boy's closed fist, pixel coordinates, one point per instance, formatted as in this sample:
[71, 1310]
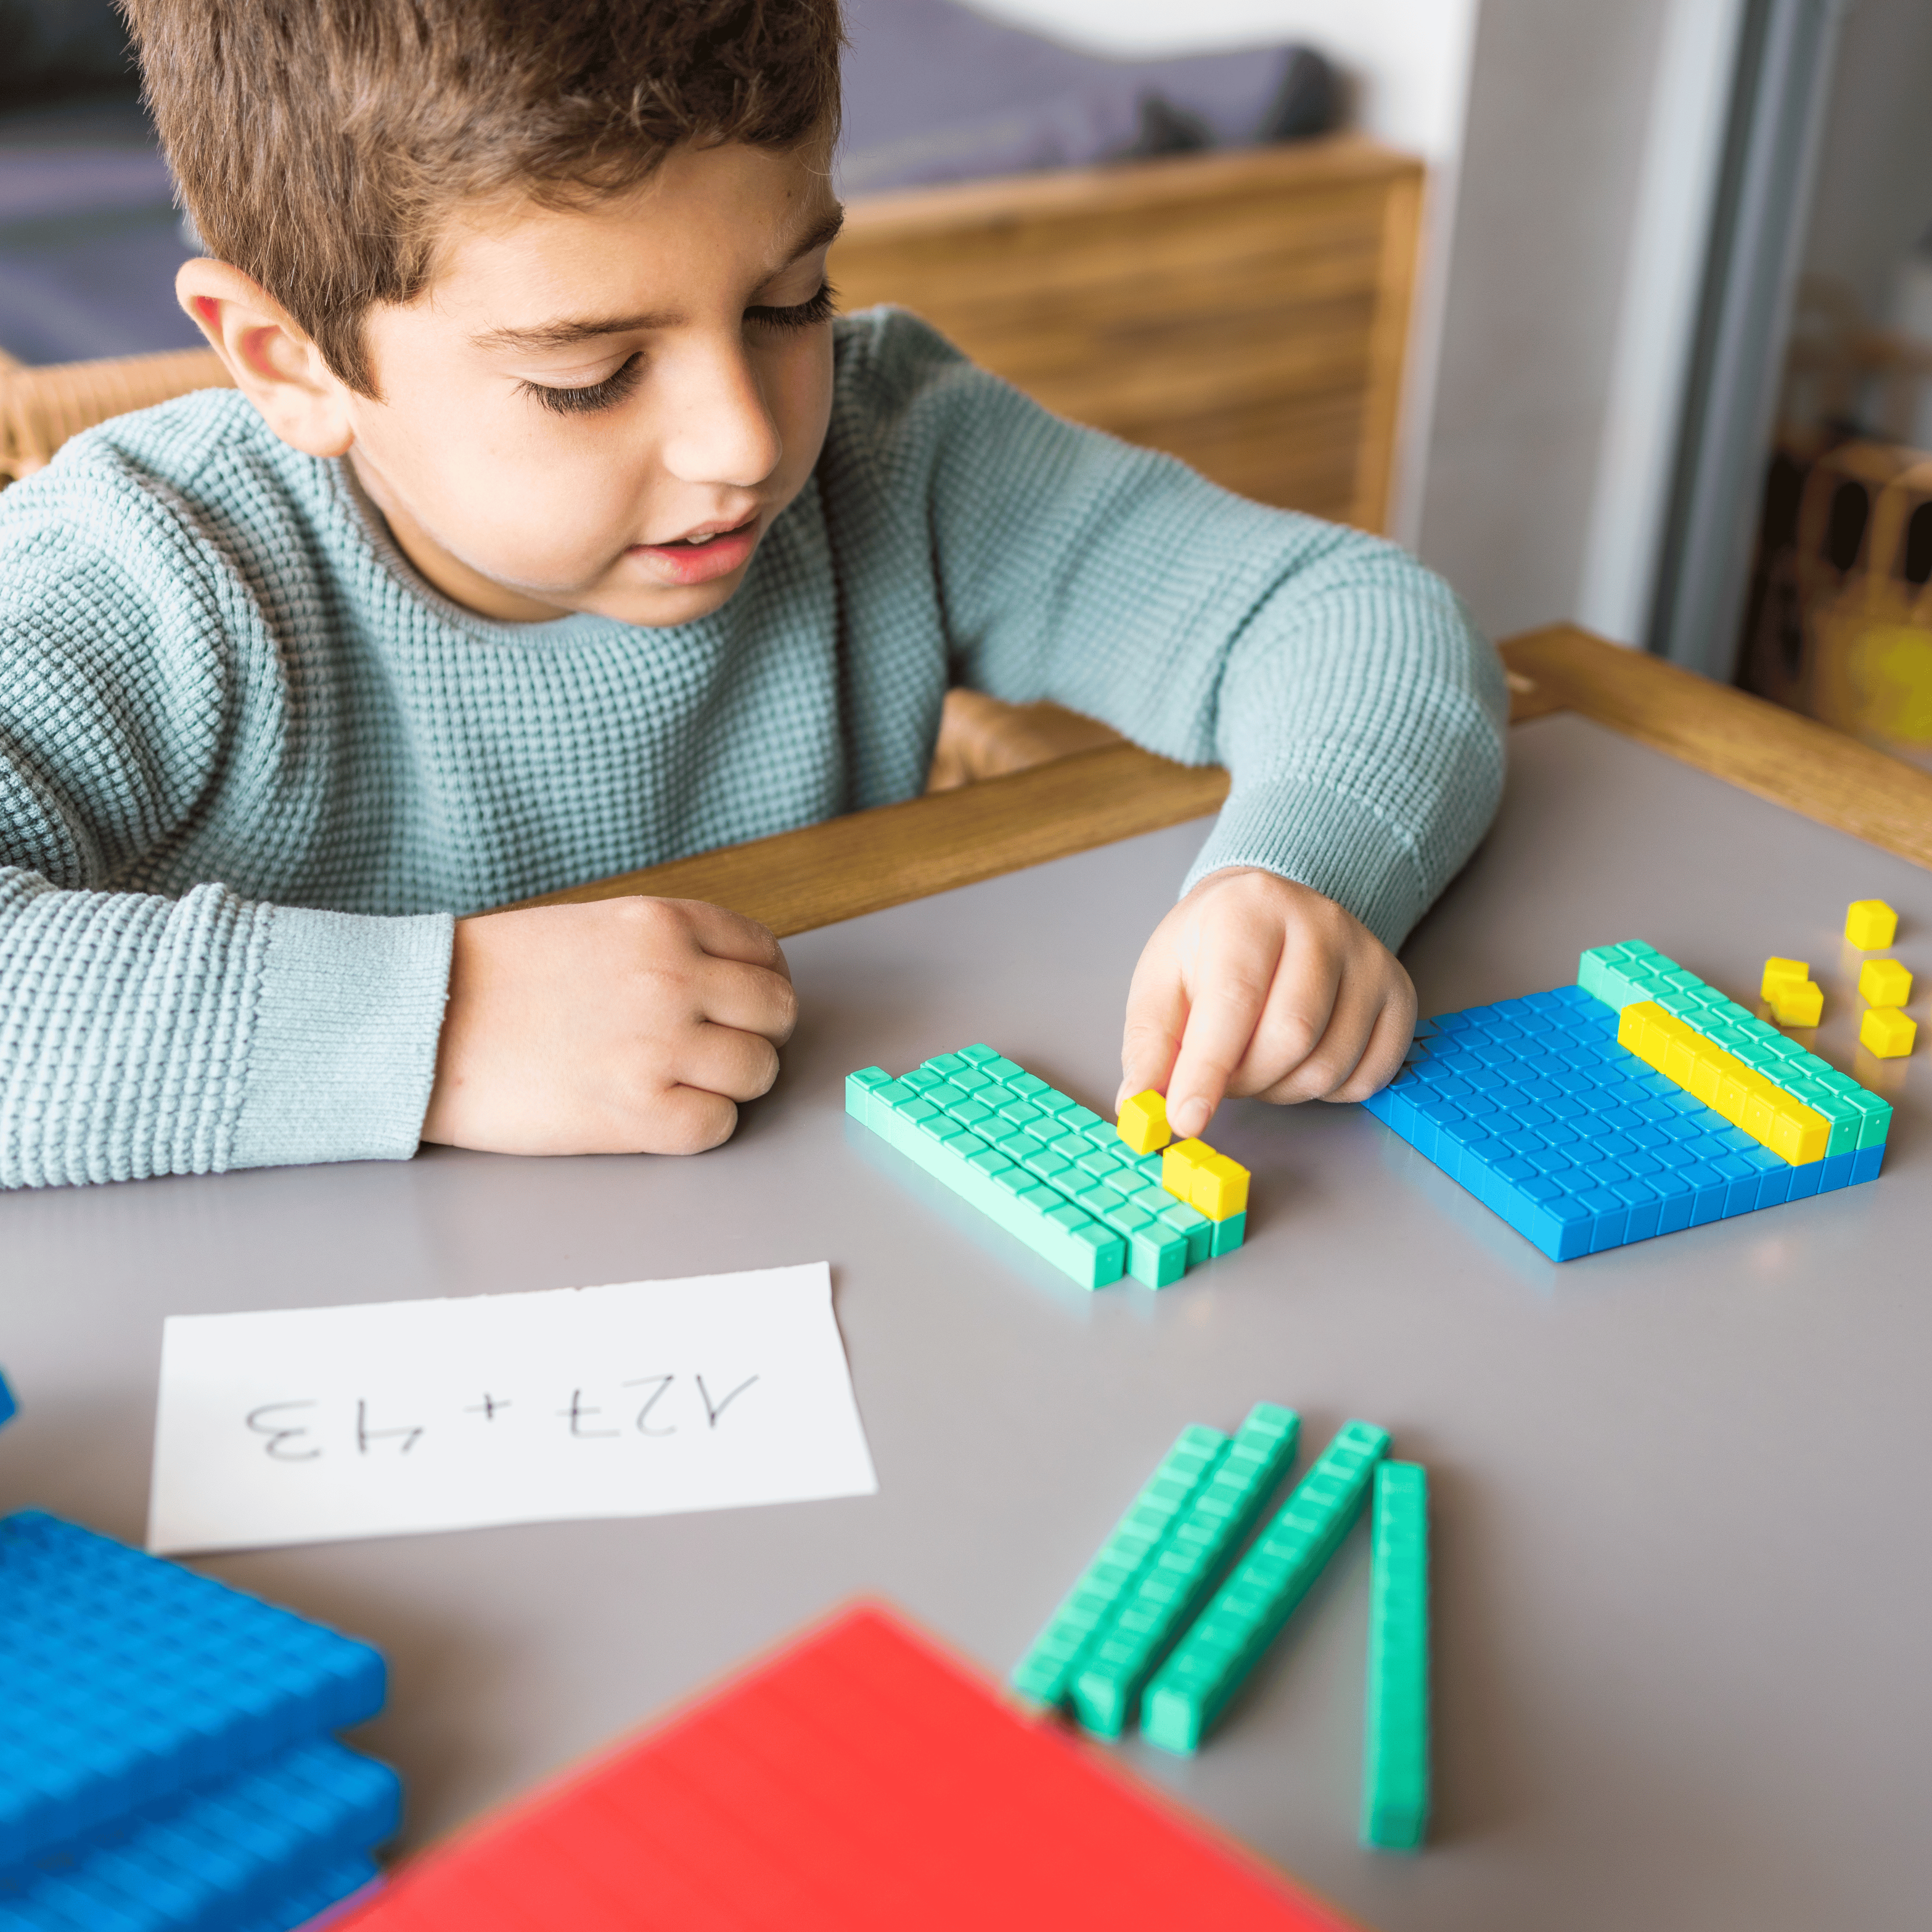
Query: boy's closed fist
[1254, 985]
[629, 1026]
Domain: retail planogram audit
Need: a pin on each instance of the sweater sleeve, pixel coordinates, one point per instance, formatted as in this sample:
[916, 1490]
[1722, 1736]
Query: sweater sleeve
[1360, 713]
[142, 1035]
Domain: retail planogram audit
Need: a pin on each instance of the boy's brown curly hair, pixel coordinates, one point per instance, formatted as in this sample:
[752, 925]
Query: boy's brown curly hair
[320, 145]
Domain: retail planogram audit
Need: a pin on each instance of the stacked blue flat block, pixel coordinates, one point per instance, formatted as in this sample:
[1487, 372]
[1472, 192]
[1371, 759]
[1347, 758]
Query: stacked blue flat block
[1535, 1107]
[164, 1759]
[252, 1850]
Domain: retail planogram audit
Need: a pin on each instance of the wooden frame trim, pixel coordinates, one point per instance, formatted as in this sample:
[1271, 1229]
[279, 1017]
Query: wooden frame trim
[920, 214]
[869, 860]
[1758, 746]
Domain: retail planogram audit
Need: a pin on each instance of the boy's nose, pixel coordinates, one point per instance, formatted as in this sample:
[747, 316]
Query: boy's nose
[721, 430]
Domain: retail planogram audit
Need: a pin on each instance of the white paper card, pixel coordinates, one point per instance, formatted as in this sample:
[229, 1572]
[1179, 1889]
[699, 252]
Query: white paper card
[640, 1399]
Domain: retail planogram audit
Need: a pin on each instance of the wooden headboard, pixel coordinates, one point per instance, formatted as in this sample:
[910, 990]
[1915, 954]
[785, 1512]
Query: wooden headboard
[1246, 311]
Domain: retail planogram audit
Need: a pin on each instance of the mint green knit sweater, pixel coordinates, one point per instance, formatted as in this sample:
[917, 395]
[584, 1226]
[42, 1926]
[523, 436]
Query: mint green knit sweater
[250, 763]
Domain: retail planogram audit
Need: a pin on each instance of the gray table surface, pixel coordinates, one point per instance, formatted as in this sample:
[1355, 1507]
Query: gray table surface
[1682, 1568]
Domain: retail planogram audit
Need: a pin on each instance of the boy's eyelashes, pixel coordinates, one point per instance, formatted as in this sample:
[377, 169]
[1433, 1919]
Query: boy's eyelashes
[822, 307]
[589, 396]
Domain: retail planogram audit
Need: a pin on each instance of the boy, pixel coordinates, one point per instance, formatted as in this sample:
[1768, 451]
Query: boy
[554, 528]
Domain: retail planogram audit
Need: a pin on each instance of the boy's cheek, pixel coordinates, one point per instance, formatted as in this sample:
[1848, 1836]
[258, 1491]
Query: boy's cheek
[551, 513]
[505, 506]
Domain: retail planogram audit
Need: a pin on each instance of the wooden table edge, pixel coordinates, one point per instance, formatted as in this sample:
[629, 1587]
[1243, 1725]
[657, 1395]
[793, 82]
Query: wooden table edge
[1759, 747]
[867, 861]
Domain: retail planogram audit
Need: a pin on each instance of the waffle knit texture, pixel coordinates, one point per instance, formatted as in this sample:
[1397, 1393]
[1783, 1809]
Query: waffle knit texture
[251, 764]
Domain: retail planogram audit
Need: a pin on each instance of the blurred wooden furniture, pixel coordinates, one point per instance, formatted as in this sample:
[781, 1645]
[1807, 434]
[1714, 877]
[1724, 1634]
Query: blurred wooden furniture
[39, 409]
[1246, 311]
[1840, 622]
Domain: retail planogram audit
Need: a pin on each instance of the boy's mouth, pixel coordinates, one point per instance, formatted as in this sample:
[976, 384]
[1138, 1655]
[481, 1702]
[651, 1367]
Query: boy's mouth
[703, 554]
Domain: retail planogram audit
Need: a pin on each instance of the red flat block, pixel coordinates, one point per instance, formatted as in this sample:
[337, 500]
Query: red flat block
[862, 1780]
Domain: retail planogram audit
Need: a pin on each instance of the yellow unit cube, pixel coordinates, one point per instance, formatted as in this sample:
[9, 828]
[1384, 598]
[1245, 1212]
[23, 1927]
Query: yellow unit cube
[1143, 1123]
[1220, 1188]
[1734, 1093]
[1870, 925]
[1887, 1032]
[1633, 1029]
[1885, 982]
[1796, 1004]
[1782, 972]
[1797, 1134]
[1178, 1161]
[1680, 1062]
[1707, 1072]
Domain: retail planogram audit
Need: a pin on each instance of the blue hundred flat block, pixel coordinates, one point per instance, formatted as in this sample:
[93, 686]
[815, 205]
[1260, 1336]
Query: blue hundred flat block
[220, 1857]
[6, 1405]
[125, 1680]
[1533, 1107]
[343, 1882]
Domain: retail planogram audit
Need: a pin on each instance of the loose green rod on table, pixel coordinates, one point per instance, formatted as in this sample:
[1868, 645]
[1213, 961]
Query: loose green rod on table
[1395, 1754]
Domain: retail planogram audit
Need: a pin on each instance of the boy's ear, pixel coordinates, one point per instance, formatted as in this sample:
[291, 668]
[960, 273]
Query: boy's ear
[274, 364]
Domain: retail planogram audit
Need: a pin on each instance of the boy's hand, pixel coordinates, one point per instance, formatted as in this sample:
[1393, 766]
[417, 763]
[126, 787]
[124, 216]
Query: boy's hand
[629, 1026]
[1255, 986]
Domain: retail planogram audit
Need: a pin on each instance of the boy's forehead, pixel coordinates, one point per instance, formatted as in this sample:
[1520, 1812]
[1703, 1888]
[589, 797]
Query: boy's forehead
[520, 274]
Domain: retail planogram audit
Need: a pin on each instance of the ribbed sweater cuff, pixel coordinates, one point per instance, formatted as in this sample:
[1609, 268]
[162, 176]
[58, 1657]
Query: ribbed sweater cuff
[342, 1052]
[1325, 839]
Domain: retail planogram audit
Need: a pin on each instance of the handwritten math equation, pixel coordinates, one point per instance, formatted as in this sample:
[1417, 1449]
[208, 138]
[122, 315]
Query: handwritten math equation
[305, 1429]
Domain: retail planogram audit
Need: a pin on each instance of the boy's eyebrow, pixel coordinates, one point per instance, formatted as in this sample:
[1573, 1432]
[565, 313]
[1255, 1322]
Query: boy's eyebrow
[822, 236]
[566, 333]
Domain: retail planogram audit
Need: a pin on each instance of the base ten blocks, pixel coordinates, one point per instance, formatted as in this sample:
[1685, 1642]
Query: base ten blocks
[1884, 982]
[258, 1853]
[164, 1764]
[1887, 1033]
[1224, 1643]
[1634, 971]
[1045, 1168]
[1532, 1105]
[1143, 1595]
[1743, 1096]
[1143, 1123]
[1870, 925]
[1396, 1754]
[1800, 1004]
[1192, 1172]
[1171, 1589]
[1046, 1672]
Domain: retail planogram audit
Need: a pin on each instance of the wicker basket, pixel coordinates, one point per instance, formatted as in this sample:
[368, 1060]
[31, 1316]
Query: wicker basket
[1841, 626]
[39, 409]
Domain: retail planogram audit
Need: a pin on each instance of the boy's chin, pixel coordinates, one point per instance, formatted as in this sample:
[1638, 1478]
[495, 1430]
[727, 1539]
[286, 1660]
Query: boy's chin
[660, 605]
